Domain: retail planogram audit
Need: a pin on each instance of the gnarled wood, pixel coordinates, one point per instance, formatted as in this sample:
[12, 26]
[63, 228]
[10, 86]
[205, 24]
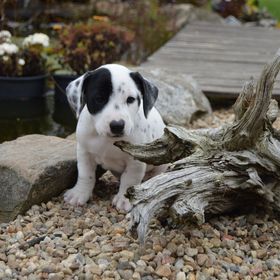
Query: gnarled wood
[214, 171]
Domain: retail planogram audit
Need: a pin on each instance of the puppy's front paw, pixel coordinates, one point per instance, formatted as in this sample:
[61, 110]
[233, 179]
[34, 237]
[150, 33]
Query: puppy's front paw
[77, 196]
[122, 203]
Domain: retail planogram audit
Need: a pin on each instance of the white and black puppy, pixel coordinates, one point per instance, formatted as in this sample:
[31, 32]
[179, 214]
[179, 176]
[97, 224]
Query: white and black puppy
[112, 104]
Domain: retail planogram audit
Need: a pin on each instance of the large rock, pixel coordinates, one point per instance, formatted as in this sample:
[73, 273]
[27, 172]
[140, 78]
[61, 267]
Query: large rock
[34, 169]
[180, 99]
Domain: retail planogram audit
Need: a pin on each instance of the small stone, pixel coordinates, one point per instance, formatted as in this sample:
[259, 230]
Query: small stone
[122, 265]
[254, 244]
[191, 252]
[8, 272]
[3, 257]
[216, 242]
[272, 263]
[187, 268]
[191, 276]
[179, 264]
[93, 268]
[148, 257]
[126, 274]
[257, 269]
[74, 261]
[19, 235]
[261, 253]
[172, 247]
[127, 254]
[180, 250]
[103, 264]
[163, 270]
[181, 276]
[197, 233]
[237, 260]
[118, 230]
[136, 276]
[210, 271]
[201, 259]
[244, 270]
[56, 276]
[228, 243]
[141, 263]
[157, 248]
[254, 254]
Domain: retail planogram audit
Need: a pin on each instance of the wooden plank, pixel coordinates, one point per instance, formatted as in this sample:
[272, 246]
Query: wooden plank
[222, 58]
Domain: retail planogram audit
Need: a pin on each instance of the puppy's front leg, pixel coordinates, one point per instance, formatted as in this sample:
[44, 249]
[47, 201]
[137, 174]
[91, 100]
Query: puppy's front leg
[133, 175]
[82, 191]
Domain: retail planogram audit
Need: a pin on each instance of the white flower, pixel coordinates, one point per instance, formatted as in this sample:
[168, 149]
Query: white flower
[5, 58]
[8, 48]
[21, 61]
[36, 39]
[5, 36]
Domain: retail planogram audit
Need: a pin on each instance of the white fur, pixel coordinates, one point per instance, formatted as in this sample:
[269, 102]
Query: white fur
[95, 144]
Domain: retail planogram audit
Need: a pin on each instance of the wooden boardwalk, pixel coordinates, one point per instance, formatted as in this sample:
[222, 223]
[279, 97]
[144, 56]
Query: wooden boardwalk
[220, 57]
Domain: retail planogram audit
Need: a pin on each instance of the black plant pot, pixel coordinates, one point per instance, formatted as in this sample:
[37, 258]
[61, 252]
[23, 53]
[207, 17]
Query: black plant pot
[60, 84]
[22, 88]
[23, 109]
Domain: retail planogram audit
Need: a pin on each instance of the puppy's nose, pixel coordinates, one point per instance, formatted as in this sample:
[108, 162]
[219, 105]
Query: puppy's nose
[117, 126]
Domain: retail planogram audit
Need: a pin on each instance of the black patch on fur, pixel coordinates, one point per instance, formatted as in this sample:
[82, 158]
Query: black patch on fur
[148, 90]
[138, 100]
[97, 89]
[117, 107]
[77, 83]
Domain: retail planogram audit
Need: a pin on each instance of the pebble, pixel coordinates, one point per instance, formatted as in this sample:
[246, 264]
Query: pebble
[126, 274]
[181, 276]
[261, 253]
[237, 260]
[163, 271]
[201, 259]
[180, 250]
[179, 264]
[127, 254]
[191, 252]
[93, 242]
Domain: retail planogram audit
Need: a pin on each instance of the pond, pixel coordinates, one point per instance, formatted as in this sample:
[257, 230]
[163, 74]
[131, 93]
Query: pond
[48, 116]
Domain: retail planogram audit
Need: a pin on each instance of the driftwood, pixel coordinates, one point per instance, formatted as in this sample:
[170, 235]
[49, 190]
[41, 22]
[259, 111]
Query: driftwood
[214, 171]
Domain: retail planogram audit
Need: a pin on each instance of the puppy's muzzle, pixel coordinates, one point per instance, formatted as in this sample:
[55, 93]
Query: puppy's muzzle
[117, 127]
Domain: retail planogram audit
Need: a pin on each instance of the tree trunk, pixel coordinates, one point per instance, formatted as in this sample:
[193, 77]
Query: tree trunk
[214, 171]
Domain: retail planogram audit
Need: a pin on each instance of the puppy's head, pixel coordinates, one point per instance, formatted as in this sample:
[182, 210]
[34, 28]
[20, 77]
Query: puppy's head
[113, 96]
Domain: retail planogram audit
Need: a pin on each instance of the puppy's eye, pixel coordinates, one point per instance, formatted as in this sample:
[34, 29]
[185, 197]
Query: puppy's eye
[130, 100]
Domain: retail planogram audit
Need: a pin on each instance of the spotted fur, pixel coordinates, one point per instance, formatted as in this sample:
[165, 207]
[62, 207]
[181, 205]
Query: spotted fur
[112, 103]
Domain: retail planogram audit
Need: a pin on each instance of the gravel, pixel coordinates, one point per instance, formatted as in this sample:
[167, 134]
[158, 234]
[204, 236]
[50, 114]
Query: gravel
[57, 241]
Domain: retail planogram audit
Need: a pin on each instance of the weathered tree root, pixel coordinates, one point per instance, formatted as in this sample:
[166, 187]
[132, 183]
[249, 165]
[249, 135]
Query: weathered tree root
[214, 170]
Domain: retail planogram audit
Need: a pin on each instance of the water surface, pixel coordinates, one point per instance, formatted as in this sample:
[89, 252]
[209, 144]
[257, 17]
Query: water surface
[47, 116]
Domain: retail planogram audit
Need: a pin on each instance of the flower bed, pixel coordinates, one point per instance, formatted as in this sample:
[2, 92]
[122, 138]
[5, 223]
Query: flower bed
[22, 66]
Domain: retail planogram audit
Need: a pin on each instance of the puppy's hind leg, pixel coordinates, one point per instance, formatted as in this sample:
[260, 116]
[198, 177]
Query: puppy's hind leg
[82, 191]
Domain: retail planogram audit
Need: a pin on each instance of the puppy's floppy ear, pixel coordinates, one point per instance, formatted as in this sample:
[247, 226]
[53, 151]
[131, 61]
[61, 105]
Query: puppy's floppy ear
[148, 90]
[75, 96]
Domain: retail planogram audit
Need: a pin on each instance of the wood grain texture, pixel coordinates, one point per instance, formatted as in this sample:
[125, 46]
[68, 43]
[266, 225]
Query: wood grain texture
[220, 57]
[214, 171]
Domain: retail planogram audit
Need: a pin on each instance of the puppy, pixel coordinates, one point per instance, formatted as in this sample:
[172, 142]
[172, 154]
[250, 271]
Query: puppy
[112, 103]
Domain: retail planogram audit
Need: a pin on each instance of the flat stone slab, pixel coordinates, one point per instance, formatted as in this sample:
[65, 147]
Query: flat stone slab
[33, 169]
[180, 99]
